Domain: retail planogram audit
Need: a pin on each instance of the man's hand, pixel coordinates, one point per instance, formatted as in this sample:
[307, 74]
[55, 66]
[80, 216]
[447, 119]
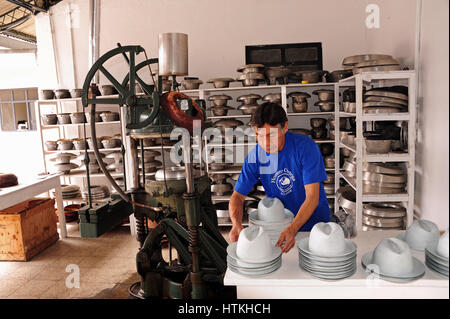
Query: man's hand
[288, 237]
[235, 209]
[234, 232]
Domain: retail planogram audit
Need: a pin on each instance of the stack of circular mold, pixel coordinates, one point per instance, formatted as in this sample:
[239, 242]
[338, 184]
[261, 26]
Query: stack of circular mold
[249, 103]
[299, 101]
[251, 74]
[326, 99]
[379, 178]
[383, 216]
[219, 105]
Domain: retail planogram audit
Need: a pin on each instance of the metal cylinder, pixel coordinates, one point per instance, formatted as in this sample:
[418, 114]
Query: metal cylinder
[173, 54]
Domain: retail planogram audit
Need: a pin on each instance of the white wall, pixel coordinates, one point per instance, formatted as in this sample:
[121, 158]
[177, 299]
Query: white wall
[219, 30]
[19, 151]
[20, 154]
[432, 154]
[18, 70]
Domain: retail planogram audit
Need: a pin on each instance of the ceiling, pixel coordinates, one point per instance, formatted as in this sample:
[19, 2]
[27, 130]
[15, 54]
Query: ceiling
[17, 20]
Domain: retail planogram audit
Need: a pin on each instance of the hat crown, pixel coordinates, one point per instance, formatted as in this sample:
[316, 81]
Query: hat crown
[327, 239]
[271, 209]
[393, 257]
[425, 226]
[253, 244]
[421, 234]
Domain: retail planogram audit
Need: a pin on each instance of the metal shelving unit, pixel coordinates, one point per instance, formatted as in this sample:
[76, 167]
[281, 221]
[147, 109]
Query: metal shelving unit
[59, 106]
[204, 93]
[378, 79]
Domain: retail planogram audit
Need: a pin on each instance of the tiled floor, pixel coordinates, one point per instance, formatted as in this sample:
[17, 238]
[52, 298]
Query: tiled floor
[107, 267]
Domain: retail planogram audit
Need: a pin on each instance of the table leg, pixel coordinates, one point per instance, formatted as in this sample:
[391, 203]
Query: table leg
[60, 208]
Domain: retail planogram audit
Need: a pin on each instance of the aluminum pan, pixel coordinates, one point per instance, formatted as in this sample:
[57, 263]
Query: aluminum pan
[387, 210]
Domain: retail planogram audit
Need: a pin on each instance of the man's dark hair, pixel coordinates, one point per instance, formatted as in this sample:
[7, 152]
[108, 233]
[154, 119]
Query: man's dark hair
[269, 113]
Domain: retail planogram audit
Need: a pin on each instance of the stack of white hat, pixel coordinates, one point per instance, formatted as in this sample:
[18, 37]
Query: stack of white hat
[392, 261]
[326, 253]
[253, 254]
[272, 217]
[436, 255]
[424, 236]
[420, 234]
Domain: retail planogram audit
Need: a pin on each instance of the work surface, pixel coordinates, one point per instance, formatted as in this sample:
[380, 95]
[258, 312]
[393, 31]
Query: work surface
[290, 281]
[10, 196]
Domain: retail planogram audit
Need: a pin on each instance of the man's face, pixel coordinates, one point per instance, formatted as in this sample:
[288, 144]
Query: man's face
[271, 138]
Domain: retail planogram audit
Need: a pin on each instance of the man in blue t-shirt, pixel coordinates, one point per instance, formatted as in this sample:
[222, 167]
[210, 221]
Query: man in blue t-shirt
[290, 167]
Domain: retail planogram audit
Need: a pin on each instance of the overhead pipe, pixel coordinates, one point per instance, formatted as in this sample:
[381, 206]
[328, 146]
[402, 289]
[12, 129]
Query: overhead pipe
[94, 6]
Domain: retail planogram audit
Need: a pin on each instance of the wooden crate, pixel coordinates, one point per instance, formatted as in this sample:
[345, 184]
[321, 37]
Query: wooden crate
[27, 228]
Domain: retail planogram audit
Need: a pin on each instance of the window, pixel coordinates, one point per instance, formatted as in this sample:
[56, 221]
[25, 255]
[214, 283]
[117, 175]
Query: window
[17, 109]
[298, 56]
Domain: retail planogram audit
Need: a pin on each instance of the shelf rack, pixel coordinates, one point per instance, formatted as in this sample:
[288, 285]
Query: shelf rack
[59, 105]
[378, 79]
[205, 92]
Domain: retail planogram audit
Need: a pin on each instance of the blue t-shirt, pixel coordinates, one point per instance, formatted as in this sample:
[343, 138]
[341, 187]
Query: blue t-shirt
[285, 174]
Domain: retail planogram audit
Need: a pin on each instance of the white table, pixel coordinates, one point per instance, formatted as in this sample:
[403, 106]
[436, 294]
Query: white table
[10, 196]
[292, 282]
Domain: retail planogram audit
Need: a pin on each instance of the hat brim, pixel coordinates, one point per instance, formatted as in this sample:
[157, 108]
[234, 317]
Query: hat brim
[288, 216]
[417, 272]
[253, 273]
[241, 264]
[270, 268]
[231, 250]
[350, 249]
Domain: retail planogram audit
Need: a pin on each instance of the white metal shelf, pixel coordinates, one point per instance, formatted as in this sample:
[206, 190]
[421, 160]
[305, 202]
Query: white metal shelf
[81, 151]
[377, 79]
[347, 114]
[76, 99]
[82, 172]
[401, 197]
[385, 117]
[52, 101]
[378, 76]
[44, 127]
[389, 157]
[258, 87]
[237, 116]
[309, 113]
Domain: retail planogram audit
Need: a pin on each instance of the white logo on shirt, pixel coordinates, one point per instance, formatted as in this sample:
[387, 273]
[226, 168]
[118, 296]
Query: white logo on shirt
[284, 179]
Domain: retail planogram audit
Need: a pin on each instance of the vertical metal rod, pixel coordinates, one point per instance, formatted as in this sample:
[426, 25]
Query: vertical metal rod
[93, 36]
[86, 165]
[122, 151]
[142, 161]
[132, 165]
[360, 150]
[188, 163]
[337, 159]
